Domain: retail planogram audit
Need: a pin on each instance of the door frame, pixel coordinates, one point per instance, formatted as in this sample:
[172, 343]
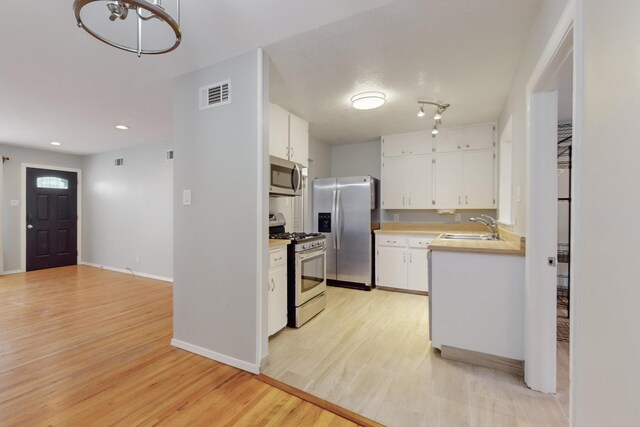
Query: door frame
[23, 209]
[540, 306]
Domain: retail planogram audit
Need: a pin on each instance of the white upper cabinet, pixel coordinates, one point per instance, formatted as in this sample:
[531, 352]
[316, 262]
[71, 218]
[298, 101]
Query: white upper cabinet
[406, 144]
[278, 132]
[298, 140]
[420, 181]
[465, 180]
[288, 136]
[466, 138]
[407, 182]
[394, 183]
[449, 180]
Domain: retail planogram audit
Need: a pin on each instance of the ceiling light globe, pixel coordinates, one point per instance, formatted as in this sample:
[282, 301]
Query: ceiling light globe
[368, 100]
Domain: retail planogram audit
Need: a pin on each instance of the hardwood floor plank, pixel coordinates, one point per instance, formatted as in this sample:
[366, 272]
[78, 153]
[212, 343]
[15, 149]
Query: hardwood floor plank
[85, 346]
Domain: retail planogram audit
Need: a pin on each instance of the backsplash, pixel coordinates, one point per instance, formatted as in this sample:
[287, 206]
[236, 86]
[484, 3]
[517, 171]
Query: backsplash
[432, 216]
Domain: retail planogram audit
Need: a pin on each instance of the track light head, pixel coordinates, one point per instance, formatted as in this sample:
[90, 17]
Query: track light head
[421, 112]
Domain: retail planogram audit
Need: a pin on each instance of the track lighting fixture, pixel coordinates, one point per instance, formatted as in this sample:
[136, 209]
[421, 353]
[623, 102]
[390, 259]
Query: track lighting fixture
[437, 117]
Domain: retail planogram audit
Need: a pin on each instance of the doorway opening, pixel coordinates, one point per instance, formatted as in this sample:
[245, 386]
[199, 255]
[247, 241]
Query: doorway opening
[51, 217]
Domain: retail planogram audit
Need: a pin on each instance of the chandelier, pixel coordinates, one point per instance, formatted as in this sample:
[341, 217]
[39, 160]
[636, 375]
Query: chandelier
[120, 23]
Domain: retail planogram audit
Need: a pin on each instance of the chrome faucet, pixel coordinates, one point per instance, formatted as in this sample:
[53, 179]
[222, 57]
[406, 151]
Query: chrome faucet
[491, 224]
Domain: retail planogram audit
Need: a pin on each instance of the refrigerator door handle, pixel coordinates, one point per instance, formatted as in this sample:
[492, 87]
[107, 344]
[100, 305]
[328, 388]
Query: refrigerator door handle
[338, 221]
[334, 230]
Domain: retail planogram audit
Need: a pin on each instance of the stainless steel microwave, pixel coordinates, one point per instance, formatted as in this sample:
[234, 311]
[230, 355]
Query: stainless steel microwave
[285, 177]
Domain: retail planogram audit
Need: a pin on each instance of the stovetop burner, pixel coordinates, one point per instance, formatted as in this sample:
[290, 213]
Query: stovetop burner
[296, 237]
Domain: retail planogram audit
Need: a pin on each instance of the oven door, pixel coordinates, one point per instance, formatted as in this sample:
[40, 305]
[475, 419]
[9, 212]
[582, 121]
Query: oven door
[311, 278]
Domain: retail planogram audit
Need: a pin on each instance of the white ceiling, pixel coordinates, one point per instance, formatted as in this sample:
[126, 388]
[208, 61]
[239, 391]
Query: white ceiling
[460, 52]
[58, 83]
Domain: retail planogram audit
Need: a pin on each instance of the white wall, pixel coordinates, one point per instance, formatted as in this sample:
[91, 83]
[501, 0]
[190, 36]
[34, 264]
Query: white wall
[12, 191]
[515, 106]
[356, 159]
[220, 241]
[606, 314]
[128, 210]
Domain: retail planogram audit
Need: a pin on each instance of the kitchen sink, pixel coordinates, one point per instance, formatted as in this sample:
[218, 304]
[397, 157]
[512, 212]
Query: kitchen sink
[451, 236]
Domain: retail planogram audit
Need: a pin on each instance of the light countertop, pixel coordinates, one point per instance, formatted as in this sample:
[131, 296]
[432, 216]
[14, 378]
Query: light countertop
[509, 243]
[277, 243]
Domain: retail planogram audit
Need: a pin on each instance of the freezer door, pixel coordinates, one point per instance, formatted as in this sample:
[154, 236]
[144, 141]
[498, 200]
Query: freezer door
[354, 229]
[324, 194]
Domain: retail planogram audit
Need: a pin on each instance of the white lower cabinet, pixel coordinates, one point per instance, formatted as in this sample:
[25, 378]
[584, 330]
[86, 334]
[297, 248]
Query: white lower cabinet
[402, 261]
[277, 286]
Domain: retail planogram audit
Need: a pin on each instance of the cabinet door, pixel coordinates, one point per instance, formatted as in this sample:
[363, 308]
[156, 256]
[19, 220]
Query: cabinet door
[277, 299]
[420, 182]
[418, 271]
[278, 132]
[449, 180]
[406, 144]
[467, 138]
[392, 267]
[394, 183]
[298, 140]
[478, 179]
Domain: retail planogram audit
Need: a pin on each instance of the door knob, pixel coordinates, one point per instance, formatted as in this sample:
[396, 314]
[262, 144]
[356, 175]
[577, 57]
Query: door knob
[29, 226]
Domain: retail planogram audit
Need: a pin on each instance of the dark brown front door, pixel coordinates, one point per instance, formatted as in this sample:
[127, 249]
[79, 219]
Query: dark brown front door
[52, 218]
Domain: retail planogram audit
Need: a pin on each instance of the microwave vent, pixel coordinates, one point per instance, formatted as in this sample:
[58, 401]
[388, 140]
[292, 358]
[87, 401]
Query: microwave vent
[215, 95]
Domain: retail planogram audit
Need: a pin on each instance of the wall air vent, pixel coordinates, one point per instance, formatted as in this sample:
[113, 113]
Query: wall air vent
[119, 161]
[168, 155]
[215, 95]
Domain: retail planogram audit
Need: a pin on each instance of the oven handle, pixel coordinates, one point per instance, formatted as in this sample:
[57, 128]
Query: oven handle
[311, 254]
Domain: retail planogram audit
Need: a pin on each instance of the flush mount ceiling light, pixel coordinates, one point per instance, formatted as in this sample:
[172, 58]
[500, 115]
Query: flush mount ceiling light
[437, 117]
[55, 143]
[127, 34]
[122, 127]
[368, 100]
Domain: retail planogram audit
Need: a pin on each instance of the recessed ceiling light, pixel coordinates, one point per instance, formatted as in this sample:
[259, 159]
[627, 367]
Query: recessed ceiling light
[368, 100]
[122, 127]
[56, 143]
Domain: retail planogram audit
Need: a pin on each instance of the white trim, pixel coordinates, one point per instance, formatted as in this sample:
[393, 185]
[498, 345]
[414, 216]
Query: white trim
[125, 271]
[540, 352]
[6, 273]
[209, 354]
[23, 208]
[261, 244]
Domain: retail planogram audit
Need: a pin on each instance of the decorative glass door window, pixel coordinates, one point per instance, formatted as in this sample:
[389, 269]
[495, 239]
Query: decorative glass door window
[52, 182]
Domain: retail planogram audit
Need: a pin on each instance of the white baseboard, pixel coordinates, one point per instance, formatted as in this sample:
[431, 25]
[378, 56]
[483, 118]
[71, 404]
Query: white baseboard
[218, 357]
[124, 270]
[6, 273]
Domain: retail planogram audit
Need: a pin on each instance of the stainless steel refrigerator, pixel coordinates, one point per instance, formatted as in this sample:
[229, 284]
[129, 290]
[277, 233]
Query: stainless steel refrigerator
[346, 211]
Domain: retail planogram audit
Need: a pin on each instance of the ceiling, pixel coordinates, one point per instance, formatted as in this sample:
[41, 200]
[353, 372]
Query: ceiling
[460, 52]
[58, 83]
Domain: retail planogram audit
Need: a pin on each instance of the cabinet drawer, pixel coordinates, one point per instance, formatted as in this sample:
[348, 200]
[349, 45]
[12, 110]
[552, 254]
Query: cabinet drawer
[391, 240]
[277, 258]
[421, 242]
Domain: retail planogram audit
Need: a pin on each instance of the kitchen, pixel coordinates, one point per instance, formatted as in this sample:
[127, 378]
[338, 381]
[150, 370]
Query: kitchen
[435, 173]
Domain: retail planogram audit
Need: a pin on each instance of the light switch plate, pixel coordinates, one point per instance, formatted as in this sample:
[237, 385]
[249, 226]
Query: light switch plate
[14, 203]
[186, 197]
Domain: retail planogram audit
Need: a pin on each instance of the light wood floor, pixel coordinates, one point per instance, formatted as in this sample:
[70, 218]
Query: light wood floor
[82, 346]
[369, 352]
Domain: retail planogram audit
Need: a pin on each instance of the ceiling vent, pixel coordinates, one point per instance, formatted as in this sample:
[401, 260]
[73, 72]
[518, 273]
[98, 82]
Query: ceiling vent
[168, 155]
[119, 161]
[215, 95]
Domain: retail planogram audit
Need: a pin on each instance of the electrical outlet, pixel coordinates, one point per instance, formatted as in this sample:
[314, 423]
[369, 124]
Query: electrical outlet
[458, 217]
[137, 259]
[396, 217]
[14, 203]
